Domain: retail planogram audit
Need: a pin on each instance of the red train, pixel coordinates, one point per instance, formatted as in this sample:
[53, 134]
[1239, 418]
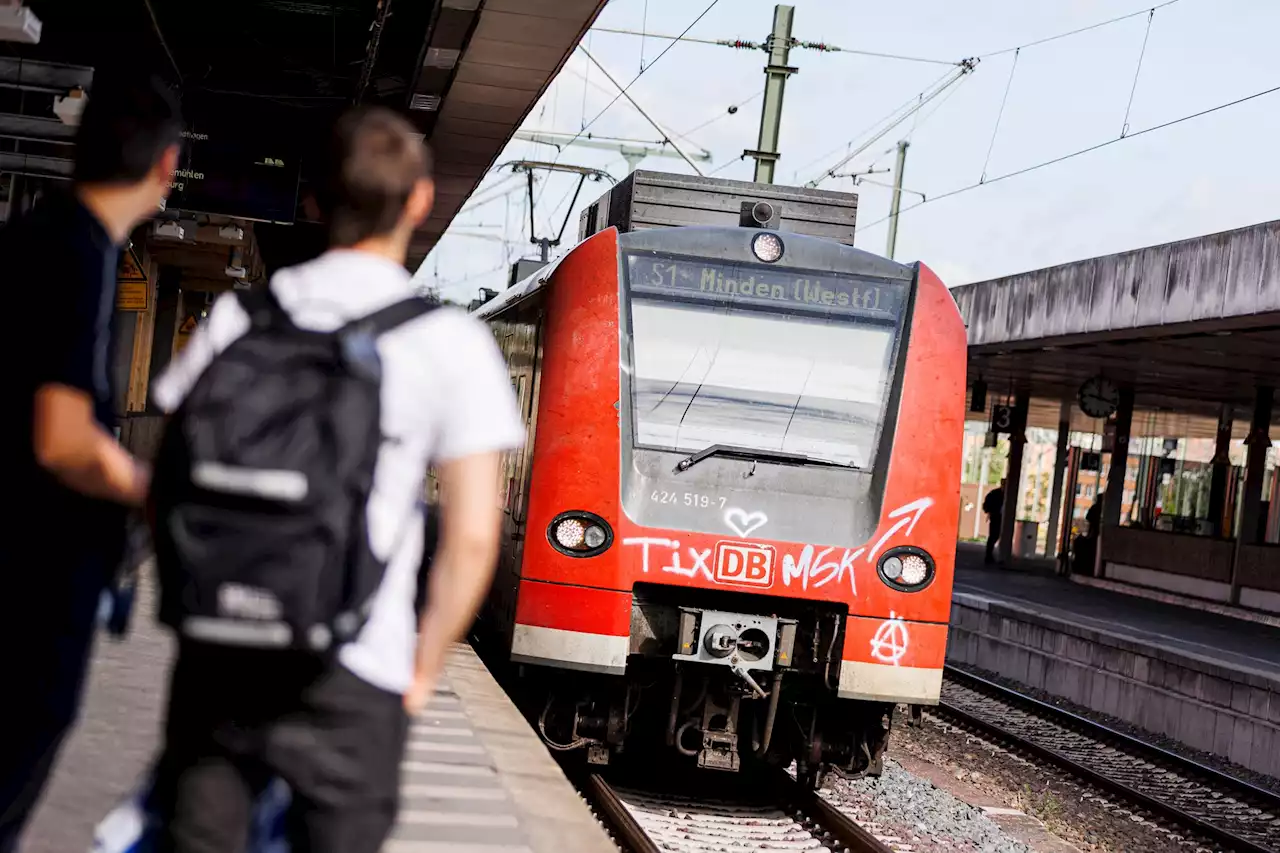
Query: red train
[731, 534]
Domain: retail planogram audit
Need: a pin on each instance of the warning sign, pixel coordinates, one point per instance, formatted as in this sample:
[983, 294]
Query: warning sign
[130, 269]
[132, 295]
[133, 291]
[185, 329]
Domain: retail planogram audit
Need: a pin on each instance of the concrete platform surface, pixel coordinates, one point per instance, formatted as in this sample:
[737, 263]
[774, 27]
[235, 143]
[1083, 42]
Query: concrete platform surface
[475, 779]
[1207, 680]
[1232, 642]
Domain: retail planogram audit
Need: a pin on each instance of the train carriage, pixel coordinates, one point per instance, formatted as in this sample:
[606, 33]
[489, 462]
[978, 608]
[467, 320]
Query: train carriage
[731, 533]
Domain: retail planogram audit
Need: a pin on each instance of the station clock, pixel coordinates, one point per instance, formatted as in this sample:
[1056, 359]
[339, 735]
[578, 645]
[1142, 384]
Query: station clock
[1099, 397]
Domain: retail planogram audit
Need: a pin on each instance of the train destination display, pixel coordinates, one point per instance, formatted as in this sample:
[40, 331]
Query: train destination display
[788, 290]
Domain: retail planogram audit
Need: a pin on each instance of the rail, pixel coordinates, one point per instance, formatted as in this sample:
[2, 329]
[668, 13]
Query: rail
[787, 817]
[1202, 799]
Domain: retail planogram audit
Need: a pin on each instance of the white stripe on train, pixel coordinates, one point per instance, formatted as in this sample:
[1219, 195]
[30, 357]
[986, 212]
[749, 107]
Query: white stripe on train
[608, 653]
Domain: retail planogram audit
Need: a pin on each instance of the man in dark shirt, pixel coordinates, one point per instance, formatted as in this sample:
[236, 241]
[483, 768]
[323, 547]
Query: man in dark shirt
[993, 506]
[71, 480]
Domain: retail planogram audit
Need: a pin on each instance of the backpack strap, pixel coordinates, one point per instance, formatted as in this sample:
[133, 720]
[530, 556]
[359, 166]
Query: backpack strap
[263, 308]
[397, 314]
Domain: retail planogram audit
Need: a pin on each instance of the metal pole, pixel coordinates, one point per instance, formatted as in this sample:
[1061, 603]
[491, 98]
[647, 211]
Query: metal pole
[896, 203]
[776, 74]
[1255, 466]
[1013, 477]
[1059, 476]
[982, 488]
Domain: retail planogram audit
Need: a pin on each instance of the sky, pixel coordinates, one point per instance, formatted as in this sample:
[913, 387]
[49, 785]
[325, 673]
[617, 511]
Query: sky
[1195, 177]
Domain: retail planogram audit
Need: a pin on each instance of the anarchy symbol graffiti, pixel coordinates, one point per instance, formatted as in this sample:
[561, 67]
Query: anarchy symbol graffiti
[890, 641]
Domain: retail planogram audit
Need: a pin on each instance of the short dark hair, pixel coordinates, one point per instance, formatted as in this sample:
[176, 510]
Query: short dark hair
[127, 124]
[375, 161]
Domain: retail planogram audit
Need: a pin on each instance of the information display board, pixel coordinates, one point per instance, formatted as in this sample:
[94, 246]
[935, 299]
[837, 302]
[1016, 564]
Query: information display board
[236, 174]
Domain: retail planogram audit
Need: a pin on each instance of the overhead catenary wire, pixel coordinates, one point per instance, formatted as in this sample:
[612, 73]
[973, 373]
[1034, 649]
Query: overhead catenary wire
[1124, 128]
[604, 90]
[155, 25]
[916, 105]
[586, 88]
[871, 128]
[745, 44]
[666, 137]
[919, 99]
[623, 89]
[476, 203]
[726, 165]
[1016, 51]
[1143, 11]
[922, 121]
[475, 275]
[644, 25]
[1081, 152]
[995, 131]
[732, 110]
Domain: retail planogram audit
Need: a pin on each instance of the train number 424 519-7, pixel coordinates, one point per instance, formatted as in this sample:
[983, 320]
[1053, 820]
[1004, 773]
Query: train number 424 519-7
[661, 496]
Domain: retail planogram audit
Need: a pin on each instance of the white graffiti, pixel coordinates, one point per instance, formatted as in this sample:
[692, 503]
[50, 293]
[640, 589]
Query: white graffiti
[753, 564]
[907, 516]
[814, 567]
[891, 640]
[744, 523]
[698, 559]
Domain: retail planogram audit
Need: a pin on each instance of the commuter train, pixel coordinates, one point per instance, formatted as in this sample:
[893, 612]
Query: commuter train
[731, 534]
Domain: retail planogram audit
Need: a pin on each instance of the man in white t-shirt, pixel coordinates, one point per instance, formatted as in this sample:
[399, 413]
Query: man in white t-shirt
[336, 732]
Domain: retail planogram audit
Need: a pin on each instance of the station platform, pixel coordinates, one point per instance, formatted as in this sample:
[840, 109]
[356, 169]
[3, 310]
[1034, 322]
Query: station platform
[475, 779]
[1204, 679]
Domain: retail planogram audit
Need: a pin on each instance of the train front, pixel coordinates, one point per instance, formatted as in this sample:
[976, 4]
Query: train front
[759, 560]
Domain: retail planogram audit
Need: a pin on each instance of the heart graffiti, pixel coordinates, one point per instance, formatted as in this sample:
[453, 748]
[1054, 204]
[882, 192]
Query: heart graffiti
[744, 523]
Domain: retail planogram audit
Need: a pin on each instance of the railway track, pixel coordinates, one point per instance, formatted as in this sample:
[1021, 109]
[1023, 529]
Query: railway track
[1214, 805]
[783, 817]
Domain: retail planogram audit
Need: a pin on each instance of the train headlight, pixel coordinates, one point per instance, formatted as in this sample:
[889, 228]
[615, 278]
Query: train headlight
[906, 568]
[767, 247]
[579, 533]
[914, 570]
[570, 533]
[594, 536]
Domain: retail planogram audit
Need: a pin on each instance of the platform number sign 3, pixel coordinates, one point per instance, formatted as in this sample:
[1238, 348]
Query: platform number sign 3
[1002, 420]
[1099, 397]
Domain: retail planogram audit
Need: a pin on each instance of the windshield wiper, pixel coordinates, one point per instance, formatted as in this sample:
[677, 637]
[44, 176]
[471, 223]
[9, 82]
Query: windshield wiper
[754, 455]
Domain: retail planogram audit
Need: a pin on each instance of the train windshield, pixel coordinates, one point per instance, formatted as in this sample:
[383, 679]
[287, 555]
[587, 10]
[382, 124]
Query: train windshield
[760, 358]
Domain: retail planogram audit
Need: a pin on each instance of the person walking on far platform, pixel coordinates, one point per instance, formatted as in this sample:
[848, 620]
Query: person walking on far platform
[993, 506]
[69, 479]
[293, 593]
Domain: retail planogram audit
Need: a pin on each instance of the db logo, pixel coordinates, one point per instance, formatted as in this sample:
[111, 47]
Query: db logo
[745, 565]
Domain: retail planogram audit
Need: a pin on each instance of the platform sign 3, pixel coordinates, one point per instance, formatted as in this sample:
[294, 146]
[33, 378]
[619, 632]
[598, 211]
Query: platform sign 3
[1002, 420]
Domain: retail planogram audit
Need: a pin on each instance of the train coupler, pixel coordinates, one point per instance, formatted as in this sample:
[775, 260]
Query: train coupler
[719, 752]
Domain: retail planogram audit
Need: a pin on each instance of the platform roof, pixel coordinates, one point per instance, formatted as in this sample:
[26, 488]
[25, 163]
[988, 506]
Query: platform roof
[1191, 325]
[466, 72]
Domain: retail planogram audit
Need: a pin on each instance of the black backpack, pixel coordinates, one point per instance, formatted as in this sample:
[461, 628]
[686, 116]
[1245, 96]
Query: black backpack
[261, 484]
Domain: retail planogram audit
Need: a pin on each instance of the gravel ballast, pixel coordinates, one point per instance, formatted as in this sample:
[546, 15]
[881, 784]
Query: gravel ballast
[913, 814]
[1074, 812]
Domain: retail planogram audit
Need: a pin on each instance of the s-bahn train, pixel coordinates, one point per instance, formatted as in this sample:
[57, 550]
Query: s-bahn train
[731, 533]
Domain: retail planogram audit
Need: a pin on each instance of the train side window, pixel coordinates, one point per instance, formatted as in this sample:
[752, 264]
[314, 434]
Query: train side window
[531, 366]
[518, 341]
[515, 458]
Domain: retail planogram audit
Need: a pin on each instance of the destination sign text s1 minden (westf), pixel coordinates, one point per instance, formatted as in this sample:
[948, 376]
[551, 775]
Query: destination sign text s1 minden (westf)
[785, 289]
